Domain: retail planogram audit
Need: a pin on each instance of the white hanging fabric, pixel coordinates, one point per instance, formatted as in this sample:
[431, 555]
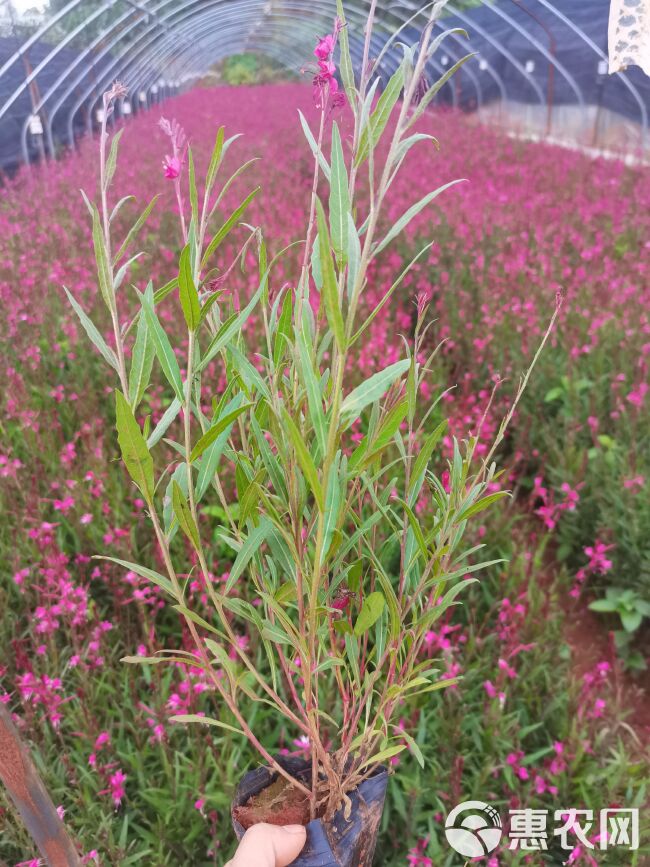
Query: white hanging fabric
[629, 35]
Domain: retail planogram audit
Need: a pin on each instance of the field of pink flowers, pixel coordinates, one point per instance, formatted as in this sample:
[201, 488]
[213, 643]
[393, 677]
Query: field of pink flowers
[550, 708]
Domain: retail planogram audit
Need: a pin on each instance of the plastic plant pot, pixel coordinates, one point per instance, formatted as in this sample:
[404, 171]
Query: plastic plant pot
[339, 843]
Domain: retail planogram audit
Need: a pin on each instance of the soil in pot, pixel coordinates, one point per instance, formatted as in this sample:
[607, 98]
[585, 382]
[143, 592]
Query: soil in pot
[345, 841]
[277, 804]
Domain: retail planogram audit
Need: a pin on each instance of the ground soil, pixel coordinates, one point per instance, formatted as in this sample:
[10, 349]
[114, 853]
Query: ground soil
[277, 804]
[590, 643]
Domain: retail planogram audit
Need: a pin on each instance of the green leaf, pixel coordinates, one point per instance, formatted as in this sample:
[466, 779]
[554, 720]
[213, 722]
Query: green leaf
[417, 530]
[332, 506]
[330, 292]
[371, 610]
[351, 651]
[229, 329]
[133, 446]
[412, 212]
[433, 90]
[339, 198]
[284, 329]
[631, 620]
[425, 453]
[414, 748]
[215, 160]
[142, 358]
[447, 601]
[211, 435]
[133, 232]
[311, 141]
[187, 291]
[250, 547]
[160, 294]
[272, 632]
[220, 654]
[227, 226]
[353, 255]
[345, 61]
[164, 352]
[167, 418]
[305, 460]
[393, 605]
[211, 455]
[371, 390]
[485, 503]
[155, 577]
[194, 198]
[204, 720]
[376, 125]
[382, 756]
[309, 376]
[104, 273]
[111, 162]
[96, 338]
[184, 516]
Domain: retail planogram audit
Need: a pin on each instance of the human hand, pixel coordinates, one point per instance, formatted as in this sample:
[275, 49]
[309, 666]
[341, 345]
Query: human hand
[269, 846]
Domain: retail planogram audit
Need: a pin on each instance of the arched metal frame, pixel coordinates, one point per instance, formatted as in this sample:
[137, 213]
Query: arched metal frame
[167, 45]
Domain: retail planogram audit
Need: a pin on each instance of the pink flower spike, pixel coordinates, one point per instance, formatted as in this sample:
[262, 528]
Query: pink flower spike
[171, 167]
[325, 47]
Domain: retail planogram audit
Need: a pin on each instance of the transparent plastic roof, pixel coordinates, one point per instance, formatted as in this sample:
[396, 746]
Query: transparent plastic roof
[543, 53]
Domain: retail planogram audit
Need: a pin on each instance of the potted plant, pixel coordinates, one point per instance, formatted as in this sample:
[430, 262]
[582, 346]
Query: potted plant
[334, 575]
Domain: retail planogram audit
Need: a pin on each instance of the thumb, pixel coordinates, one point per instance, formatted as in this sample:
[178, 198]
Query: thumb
[270, 846]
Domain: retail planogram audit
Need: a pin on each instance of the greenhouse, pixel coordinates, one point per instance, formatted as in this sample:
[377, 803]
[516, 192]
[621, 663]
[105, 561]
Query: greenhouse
[325, 433]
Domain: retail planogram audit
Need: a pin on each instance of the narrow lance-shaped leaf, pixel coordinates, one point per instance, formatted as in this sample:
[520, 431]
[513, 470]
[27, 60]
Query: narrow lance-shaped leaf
[345, 63]
[107, 353]
[155, 577]
[163, 425]
[433, 90]
[217, 428]
[371, 390]
[164, 351]
[250, 547]
[204, 720]
[339, 198]
[104, 273]
[211, 456]
[312, 386]
[229, 329]
[143, 355]
[353, 255]
[215, 160]
[379, 118]
[111, 162]
[313, 144]
[332, 507]
[189, 296]
[133, 446]
[412, 212]
[305, 460]
[227, 226]
[424, 456]
[371, 610]
[485, 503]
[184, 516]
[330, 292]
[133, 232]
[194, 198]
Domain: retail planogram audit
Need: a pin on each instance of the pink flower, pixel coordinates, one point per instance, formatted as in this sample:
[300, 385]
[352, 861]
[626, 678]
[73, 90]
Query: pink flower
[116, 782]
[172, 167]
[325, 47]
